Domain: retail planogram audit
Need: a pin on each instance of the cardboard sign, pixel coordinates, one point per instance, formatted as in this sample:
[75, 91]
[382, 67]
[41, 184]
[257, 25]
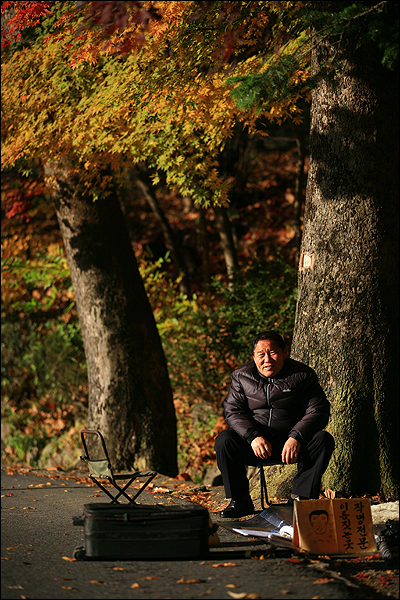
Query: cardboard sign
[336, 526]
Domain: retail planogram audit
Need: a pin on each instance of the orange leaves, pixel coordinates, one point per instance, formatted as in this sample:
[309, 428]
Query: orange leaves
[242, 595]
[323, 580]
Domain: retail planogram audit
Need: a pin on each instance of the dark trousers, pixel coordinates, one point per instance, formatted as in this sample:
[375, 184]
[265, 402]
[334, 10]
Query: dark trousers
[234, 454]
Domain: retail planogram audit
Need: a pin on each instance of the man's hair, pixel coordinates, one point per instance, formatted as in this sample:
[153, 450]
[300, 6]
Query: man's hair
[268, 335]
[318, 512]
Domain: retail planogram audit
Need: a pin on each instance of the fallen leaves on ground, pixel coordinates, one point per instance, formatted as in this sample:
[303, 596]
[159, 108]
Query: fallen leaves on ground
[182, 580]
[240, 595]
[184, 477]
[294, 560]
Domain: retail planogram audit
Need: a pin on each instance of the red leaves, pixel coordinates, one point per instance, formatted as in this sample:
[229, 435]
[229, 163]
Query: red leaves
[17, 194]
[111, 16]
[26, 14]
[294, 560]
[386, 579]
[114, 16]
[19, 207]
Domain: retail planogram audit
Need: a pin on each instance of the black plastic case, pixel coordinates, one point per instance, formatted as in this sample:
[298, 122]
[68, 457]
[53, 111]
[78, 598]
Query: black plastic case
[138, 532]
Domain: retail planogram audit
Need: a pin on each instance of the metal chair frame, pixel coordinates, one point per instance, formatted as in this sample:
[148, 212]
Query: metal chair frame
[263, 483]
[102, 469]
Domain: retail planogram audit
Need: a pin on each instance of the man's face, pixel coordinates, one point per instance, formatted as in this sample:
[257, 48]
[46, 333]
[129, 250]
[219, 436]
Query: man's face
[269, 357]
[319, 523]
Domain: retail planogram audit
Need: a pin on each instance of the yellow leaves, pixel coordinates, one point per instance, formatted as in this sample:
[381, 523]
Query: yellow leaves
[241, 595]
[15, 587]
[160, 490]
[78, 101]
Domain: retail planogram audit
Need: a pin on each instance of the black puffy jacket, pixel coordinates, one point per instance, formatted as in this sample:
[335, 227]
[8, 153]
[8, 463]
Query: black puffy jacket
[291, 403]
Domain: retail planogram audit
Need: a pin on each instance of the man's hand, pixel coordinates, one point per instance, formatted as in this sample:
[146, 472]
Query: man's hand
[290, 451]
[261, 447]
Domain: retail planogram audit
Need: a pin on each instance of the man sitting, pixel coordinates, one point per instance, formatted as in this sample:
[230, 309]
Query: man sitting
[276, 409]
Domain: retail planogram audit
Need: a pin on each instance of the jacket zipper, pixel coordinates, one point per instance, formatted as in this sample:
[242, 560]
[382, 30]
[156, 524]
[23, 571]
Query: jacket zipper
[270, 407]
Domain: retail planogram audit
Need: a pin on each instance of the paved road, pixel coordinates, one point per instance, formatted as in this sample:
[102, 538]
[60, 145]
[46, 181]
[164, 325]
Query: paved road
[38, 538]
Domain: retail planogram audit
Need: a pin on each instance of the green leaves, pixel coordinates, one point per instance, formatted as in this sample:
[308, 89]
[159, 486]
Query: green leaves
[205, 338]
[45, 276]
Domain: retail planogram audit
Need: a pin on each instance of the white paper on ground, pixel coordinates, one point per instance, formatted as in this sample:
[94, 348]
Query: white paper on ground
[255, 532]
[286, 532]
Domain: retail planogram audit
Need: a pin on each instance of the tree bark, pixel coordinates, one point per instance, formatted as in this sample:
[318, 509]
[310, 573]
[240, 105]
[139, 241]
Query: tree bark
[347, 309]
[203, 246]
[130, 397]
[225, 234]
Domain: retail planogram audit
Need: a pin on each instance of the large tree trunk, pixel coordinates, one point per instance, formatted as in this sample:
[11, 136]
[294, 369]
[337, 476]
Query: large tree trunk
[130, 398]
[347, 310]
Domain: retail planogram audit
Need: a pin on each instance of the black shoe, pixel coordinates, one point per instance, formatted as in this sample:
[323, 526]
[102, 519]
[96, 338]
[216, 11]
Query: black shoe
[292, 500]
[238, 508]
